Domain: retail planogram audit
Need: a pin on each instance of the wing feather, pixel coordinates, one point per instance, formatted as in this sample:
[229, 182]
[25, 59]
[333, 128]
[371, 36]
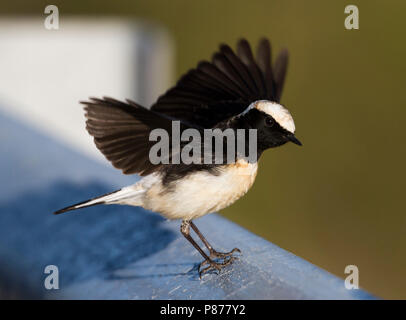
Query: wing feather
[280, 67]
[224, 87]
[121, 132]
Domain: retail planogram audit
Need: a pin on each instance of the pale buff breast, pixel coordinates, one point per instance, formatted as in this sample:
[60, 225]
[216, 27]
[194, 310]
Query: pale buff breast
[201, 192]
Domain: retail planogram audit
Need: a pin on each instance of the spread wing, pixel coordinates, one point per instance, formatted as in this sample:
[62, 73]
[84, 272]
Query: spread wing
[226, 86]
[121, 132]
[205, 96]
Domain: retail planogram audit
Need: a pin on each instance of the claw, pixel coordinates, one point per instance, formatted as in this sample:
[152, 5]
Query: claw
[216, 255]
[217, 266]
[212, 266]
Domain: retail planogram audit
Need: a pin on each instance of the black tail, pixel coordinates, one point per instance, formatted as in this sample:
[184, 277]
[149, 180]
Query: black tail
[87, 203]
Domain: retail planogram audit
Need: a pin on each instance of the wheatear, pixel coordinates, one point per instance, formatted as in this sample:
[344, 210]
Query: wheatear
[234, 91]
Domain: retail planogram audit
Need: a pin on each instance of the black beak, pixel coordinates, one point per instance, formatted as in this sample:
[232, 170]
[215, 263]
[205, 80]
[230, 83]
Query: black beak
[293, 139]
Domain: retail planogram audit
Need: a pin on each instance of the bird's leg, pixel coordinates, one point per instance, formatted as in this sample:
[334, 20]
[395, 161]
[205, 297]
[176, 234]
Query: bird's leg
[185, 230]
[213, 253]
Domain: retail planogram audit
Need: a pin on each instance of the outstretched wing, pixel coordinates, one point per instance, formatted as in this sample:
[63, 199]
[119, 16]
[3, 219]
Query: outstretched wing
[217, 90]
[121, 132]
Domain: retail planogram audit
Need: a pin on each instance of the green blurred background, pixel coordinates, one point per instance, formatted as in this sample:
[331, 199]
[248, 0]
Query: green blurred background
[338, 200]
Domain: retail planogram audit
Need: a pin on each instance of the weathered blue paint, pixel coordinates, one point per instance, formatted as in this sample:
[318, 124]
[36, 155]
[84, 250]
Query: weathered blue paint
[118, 252]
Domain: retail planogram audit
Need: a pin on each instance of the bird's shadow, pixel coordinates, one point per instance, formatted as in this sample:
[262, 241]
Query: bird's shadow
[144, 272]
[84, 244]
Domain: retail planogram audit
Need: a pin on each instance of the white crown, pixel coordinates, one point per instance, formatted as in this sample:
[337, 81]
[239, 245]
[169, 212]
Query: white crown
[276, 111]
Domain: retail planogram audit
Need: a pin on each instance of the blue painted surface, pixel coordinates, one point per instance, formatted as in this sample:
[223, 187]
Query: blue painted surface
[119, 252]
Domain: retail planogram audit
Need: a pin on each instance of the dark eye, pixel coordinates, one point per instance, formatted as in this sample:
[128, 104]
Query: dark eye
[269, 122]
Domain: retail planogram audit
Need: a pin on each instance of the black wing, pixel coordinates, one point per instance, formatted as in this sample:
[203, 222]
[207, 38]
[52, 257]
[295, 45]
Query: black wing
[225, 87]
[121, 132]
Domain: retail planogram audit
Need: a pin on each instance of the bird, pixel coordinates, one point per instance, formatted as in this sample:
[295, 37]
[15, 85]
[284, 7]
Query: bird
[233, 90]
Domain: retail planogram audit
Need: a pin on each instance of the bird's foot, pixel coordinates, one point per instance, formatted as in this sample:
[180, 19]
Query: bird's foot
[221, 255]
[215, 266]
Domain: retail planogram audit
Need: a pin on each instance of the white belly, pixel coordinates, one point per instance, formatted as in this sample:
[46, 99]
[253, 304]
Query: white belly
[201, 192]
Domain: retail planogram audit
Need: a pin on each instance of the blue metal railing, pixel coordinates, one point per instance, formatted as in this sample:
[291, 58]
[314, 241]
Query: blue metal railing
[118, 252]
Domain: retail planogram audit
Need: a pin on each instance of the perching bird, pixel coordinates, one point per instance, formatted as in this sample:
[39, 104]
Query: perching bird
[233, 91]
